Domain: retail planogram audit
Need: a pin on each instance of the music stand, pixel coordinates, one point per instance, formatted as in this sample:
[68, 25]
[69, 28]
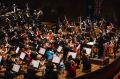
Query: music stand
[35, 64]
[22, 55]
[42, 51]
[17, 50]
[56, 59]
[59, 48]
[16, 68]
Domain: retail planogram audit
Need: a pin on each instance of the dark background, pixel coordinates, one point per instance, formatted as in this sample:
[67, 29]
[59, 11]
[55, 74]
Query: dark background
[71, 8]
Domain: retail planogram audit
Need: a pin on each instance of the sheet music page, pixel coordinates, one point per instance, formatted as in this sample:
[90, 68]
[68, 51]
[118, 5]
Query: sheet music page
[42, 51]
[17, 50]
[59, 48]
[56, 59]
[88, 50]
[16, 68]
[35, 63]
[73, 54]
[22, 55]
[91, 43]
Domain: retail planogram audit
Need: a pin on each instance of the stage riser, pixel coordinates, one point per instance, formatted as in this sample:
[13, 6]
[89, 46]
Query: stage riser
[99, 61]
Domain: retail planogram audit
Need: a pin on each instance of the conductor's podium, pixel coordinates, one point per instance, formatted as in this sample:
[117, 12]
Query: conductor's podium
[100, 61]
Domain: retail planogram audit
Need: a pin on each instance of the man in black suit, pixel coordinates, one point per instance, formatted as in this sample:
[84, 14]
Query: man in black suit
[100, 42]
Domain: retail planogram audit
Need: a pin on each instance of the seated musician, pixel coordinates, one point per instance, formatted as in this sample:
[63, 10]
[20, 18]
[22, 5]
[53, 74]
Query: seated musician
[77, 61]
[8, 74]
[49, 70]
[49, 55]
[61, 67]
[9, 61]
[72, 45]
[30, 73]
[71, 69]
[66, 49]
[55, 72]
[86, 63]
[50, 36]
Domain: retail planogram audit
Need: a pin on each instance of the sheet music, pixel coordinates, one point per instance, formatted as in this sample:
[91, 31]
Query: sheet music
[88, 50]
[91, 43]
[59, 48]
[37, 46]
[73, 54]
[16, 68]
[42, 51]
[0, 58]
[22, 55]
[56, 59]
[35, 63]
[17, 50]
